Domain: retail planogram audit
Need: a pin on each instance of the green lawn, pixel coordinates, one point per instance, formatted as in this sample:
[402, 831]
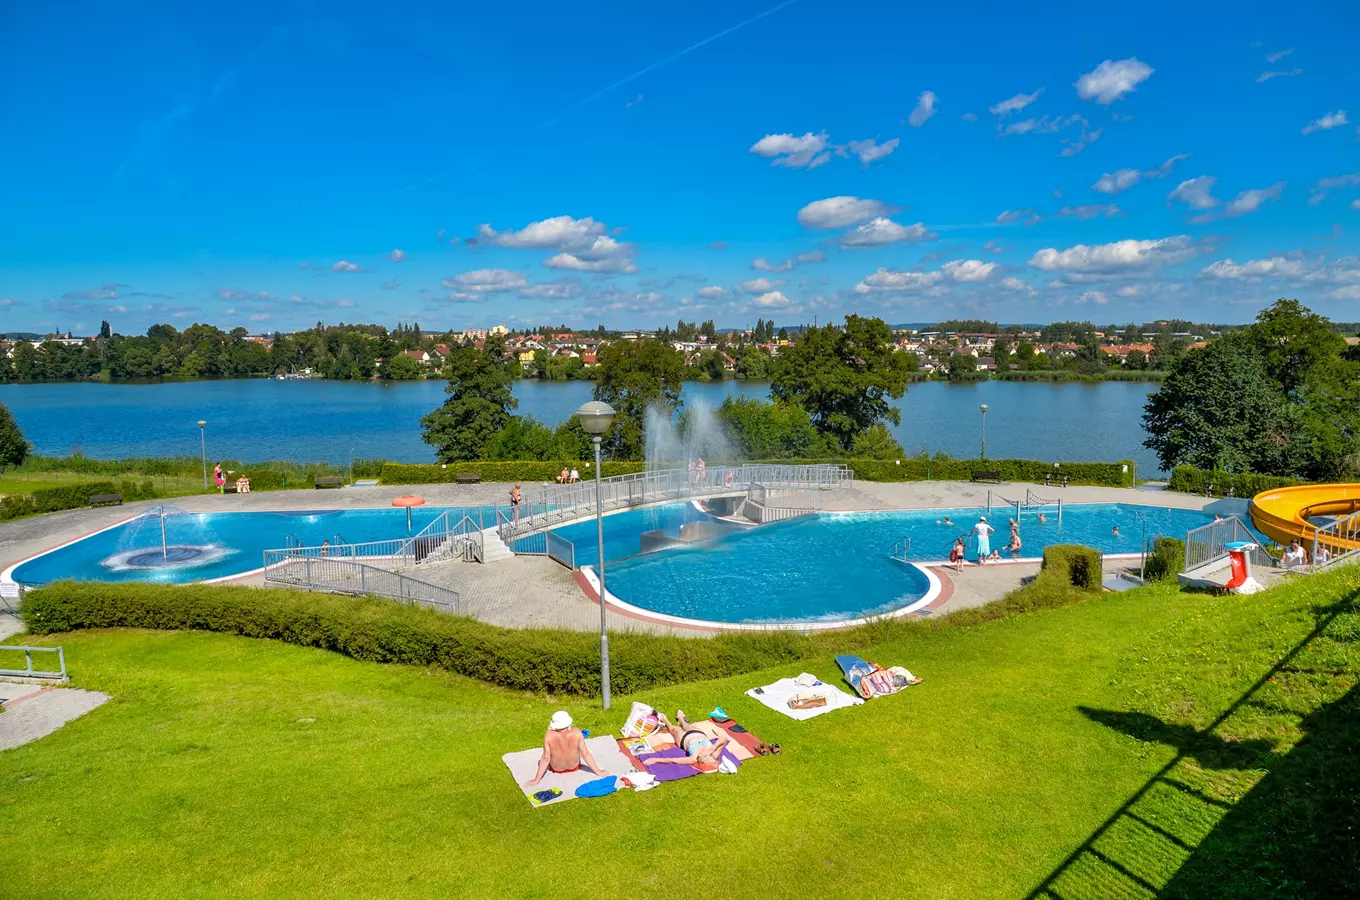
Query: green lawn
[229, 767]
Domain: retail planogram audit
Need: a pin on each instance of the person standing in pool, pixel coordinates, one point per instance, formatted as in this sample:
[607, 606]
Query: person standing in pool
[984, 539]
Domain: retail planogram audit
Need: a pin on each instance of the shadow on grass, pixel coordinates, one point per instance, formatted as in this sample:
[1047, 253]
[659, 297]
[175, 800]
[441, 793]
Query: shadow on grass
[1207, 749]
[1202, 826]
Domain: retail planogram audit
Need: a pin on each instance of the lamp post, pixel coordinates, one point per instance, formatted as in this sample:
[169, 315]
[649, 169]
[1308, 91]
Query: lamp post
[595, 418]
[983, 407]
[203, 449]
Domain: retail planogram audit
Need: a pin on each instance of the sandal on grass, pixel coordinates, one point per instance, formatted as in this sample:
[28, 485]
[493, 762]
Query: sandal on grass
[775, 749]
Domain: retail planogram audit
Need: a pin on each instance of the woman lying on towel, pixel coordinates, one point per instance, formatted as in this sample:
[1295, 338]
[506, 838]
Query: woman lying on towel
[871, 680]
[703, 750]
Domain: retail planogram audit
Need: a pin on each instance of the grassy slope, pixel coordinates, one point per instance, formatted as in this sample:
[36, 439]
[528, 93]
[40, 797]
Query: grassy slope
[199, 778]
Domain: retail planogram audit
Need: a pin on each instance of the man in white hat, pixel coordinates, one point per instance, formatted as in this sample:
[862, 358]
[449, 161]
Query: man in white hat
[564, 750]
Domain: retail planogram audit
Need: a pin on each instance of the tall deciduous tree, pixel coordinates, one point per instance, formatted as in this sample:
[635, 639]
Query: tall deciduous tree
[13, 448]
[844, 377]
[631, 376]
[478, 405]
[1294, 343]
[1218, 408]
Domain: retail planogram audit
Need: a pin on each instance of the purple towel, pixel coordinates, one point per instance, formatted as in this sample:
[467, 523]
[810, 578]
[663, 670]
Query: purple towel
[671, 772]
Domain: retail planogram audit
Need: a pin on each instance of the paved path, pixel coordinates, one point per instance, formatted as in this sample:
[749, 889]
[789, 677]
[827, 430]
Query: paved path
[10, 624]
[30, 714]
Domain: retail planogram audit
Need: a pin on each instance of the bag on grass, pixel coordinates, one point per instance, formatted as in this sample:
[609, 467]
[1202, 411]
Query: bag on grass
[642, 721]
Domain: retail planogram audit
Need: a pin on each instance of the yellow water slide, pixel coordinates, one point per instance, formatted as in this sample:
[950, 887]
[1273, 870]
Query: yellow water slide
[1284, 513]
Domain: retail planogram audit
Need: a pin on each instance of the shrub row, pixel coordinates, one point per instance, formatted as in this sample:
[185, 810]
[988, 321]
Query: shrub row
[1189, 480]
[271, 475]
[70, 496]
[1079, 566]
[1117, 474]
[499, 470]
[523, 659]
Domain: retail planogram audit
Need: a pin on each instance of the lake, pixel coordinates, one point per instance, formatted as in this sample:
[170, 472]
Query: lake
[331, 421]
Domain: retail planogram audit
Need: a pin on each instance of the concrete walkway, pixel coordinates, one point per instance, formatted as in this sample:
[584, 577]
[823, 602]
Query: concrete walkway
[32, 712]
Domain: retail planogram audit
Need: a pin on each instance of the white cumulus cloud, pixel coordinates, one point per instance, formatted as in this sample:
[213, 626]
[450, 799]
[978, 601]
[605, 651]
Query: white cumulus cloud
[1327, 122]
[968, 269]
[1120, 180]
[870, 150]
[1255, 269]
[582, 245]
[486, 281]
[893, 280]
[397, 255]
[925, 108]
[1195, 193]
[759, 285]
[840, 212]
[806, 152]
[1113, 79]
[762, 265]
[1014, 104]
[1250, 201]
[1090, 211]
[345, 265]
[1114, 258]
[772, 300]
[710, 292]
[880, 231]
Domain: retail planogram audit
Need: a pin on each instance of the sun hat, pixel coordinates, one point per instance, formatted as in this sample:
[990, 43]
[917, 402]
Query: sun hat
[982, 518]
[561, 720]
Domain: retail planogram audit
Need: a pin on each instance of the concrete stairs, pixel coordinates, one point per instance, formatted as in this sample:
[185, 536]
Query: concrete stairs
[493, 548]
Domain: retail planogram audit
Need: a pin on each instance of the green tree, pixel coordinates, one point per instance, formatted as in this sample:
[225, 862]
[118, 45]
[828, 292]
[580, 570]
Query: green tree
[1024, 354]
[478, 405]
[760, 429]
[1218, 408]
[843, 377]
[1136, 359]
[876, 443]
[13, 448]
[400, 367]
[631, 376]
[1293, 343]
[961, 366]
[1001, 352]
[754, 364]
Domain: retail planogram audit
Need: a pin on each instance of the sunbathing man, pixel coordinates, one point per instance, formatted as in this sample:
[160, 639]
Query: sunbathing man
[704, 752]
[564, 750]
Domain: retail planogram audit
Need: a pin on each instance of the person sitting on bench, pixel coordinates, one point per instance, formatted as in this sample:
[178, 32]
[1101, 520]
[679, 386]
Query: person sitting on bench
[564, 750]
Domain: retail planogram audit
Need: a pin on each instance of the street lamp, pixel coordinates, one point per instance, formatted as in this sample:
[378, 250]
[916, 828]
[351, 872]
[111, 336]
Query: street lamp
[983, 407]
[595, 418]
[203, 449]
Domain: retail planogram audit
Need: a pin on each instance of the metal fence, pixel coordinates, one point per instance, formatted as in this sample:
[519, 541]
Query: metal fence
[28, 671]
[1209, 544]
[557, 503]
[452, 535]
[1335, 542]
[346, 576]
[562, 550]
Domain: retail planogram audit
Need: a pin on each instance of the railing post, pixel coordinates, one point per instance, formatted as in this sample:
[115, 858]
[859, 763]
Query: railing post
[28, 660]
[61, 659]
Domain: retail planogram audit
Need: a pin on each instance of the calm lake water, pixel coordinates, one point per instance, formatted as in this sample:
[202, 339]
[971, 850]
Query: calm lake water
[334, 420]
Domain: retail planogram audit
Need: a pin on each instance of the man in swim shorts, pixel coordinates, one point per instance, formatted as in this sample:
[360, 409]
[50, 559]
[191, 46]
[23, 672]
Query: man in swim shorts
[564, 750]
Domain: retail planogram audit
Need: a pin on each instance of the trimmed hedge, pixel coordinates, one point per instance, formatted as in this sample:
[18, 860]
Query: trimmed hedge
[1080, 566]
[16, 506]
[499, 470]
[70, 496]
[522, 659]
[1189, 480]
[1167, 559]
[1116, 474]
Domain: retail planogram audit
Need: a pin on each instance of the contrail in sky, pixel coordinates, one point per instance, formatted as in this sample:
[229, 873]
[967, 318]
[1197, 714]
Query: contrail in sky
[656, 65]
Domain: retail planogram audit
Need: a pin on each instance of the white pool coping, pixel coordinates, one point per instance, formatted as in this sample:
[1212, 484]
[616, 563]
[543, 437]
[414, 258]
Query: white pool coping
[933, 589]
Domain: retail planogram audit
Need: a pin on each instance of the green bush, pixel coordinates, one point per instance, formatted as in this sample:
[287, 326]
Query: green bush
[367, 468]
[1081, 566]
[1189, 480]
[523, 659]
[1167, 559]
[132, 490]
[70, 496]
[15, 506]
[528, 471]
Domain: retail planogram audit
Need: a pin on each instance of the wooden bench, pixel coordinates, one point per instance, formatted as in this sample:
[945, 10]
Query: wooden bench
[468, 478]
[987, 476]
[1056, 478]
[106, 500]
[329, 481]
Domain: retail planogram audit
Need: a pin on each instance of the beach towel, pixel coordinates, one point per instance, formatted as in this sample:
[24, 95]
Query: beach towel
[777, 696]
[524, 763]
[671, 772]
[871, 680]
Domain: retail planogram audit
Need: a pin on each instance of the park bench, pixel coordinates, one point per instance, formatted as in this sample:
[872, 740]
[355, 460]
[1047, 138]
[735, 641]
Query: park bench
[1055, 478]
[106, 500]
[329, 481]
[468, 478]
[987, 476]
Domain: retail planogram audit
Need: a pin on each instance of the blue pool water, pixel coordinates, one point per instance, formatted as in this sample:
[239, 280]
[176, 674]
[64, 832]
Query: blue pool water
[239, 539]
[839, 565]
[818, 568]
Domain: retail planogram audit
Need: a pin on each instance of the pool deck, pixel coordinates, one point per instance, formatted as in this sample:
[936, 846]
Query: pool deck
[535, 592]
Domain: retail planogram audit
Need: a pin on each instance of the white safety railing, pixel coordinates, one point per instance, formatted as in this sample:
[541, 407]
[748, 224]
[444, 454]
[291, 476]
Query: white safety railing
[553, 504]
[345, 576]
[451, 535]
[1209, 544]
[536, 543]
[1336, 542]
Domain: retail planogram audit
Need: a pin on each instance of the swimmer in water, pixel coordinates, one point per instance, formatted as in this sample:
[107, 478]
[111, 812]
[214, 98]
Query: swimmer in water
[1043, 518]
[946, 522]
[1115, 531]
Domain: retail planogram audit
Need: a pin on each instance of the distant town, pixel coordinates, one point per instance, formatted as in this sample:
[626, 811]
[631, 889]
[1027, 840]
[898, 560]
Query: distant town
[957, 350]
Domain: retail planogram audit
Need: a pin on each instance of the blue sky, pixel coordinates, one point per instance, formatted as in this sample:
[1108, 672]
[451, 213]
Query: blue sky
[463, 165]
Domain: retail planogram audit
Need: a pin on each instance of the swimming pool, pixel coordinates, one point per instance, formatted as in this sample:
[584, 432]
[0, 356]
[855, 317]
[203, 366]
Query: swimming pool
[837, 566]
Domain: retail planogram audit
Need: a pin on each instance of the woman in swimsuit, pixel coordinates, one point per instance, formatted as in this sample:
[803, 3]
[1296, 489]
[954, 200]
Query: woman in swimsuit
[514, 501]
[702, 750]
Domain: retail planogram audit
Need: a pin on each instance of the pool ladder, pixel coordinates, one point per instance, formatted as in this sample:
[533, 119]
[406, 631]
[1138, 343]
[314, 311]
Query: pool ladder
[901, 549]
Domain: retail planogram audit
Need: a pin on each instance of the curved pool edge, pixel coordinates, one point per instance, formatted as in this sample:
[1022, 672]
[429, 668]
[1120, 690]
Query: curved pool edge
[9, 584]
[612, 601]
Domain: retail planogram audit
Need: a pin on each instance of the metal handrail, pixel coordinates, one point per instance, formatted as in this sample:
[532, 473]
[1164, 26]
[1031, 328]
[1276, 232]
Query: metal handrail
[1208, 544]
[562, 550]
[901, 548]
[348, 577]
[28, 671]
[553, 504]
[1338, 541]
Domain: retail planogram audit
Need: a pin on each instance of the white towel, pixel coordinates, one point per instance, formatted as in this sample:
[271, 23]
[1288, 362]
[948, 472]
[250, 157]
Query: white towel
[776, 696]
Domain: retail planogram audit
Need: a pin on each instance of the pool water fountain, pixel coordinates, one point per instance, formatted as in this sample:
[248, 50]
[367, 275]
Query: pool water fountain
[165, 538]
